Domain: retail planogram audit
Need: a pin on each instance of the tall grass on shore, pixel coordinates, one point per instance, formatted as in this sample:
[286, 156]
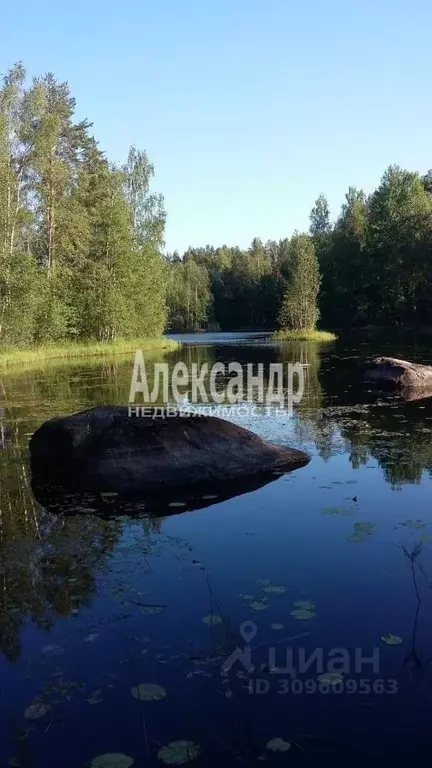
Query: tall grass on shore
[10, 357]
[311, 335]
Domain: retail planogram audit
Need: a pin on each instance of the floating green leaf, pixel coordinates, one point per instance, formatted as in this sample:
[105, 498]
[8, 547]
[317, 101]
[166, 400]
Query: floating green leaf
[55, 650]
[177, 504]
[307, 605]
[212, 619]
[95, 698]
[330, 678]
[414, 524]
[336, 511]
[148, 692]
[258, 605]
[210, 496]
[149, 609]
[178, 752]
[361, 531]
[36, 710]
[391, 639]
[276, 627]
[302, 614]
[278, 745]
[365, 525]
[277, 590]
[112, 760]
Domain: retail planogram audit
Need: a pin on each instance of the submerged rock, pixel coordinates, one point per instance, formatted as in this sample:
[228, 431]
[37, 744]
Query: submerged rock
[105, 450]
[400, 374]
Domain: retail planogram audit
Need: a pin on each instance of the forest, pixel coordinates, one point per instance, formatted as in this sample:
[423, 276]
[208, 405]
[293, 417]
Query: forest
[82, 252]
[372, 266]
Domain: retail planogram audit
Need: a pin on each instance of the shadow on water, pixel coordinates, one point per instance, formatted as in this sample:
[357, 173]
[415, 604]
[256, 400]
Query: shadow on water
[71, 501]
[119, 618]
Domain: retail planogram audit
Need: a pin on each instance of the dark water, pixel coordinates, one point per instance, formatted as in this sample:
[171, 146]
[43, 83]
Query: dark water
[91, 607]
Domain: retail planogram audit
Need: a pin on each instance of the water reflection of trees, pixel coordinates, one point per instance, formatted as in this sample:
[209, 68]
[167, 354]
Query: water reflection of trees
[401, 446]
[48, 565]
[339, 415]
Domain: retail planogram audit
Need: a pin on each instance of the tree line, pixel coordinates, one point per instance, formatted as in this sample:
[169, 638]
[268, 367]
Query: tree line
[82, 244]
[372, 266]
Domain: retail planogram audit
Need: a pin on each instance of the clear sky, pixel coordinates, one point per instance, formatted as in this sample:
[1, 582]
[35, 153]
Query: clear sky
[247, 108]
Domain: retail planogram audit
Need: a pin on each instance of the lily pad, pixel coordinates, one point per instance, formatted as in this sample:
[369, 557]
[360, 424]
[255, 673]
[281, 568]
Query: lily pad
[96, 698]
[277, 590]
[308, 605]
[302, 614]
[112, 760]
[365, 525]
[209, 496]
[391, 639]
[108, 494]
[336, 511]
[212, 619]
[55, 650]
[177, 504]
[414, 524]
[36, 710]
[361, 531]
[276, 627]
[278, 745]
[178, 752]
[258, 605]
[330, 678]
[148, 692]
[151, 609]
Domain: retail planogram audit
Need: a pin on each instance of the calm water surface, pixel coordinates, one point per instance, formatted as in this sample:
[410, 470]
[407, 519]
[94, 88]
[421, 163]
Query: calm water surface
[92, 607]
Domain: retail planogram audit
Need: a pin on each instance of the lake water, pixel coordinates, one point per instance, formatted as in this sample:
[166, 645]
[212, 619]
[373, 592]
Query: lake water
[336, 555]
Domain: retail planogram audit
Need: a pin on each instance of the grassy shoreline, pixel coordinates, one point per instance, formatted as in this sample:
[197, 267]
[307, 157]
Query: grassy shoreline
[312, 335]
[10, 357]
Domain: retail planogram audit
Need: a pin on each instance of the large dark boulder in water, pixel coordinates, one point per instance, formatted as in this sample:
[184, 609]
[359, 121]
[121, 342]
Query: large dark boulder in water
[105, 449]
[397, 374]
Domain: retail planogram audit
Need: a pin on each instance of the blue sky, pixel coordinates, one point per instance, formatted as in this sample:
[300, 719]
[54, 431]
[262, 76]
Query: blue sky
[248, 108]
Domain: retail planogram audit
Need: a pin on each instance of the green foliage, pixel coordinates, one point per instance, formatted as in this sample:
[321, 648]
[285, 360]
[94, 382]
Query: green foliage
[320, 217]
[189, 295]
[299, 311]
[372, 267]
[55, 355]
[306, 335]
[81, 245]
[80, 240]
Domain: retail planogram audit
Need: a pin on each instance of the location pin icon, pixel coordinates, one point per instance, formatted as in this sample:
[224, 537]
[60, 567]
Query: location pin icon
[248, 630]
